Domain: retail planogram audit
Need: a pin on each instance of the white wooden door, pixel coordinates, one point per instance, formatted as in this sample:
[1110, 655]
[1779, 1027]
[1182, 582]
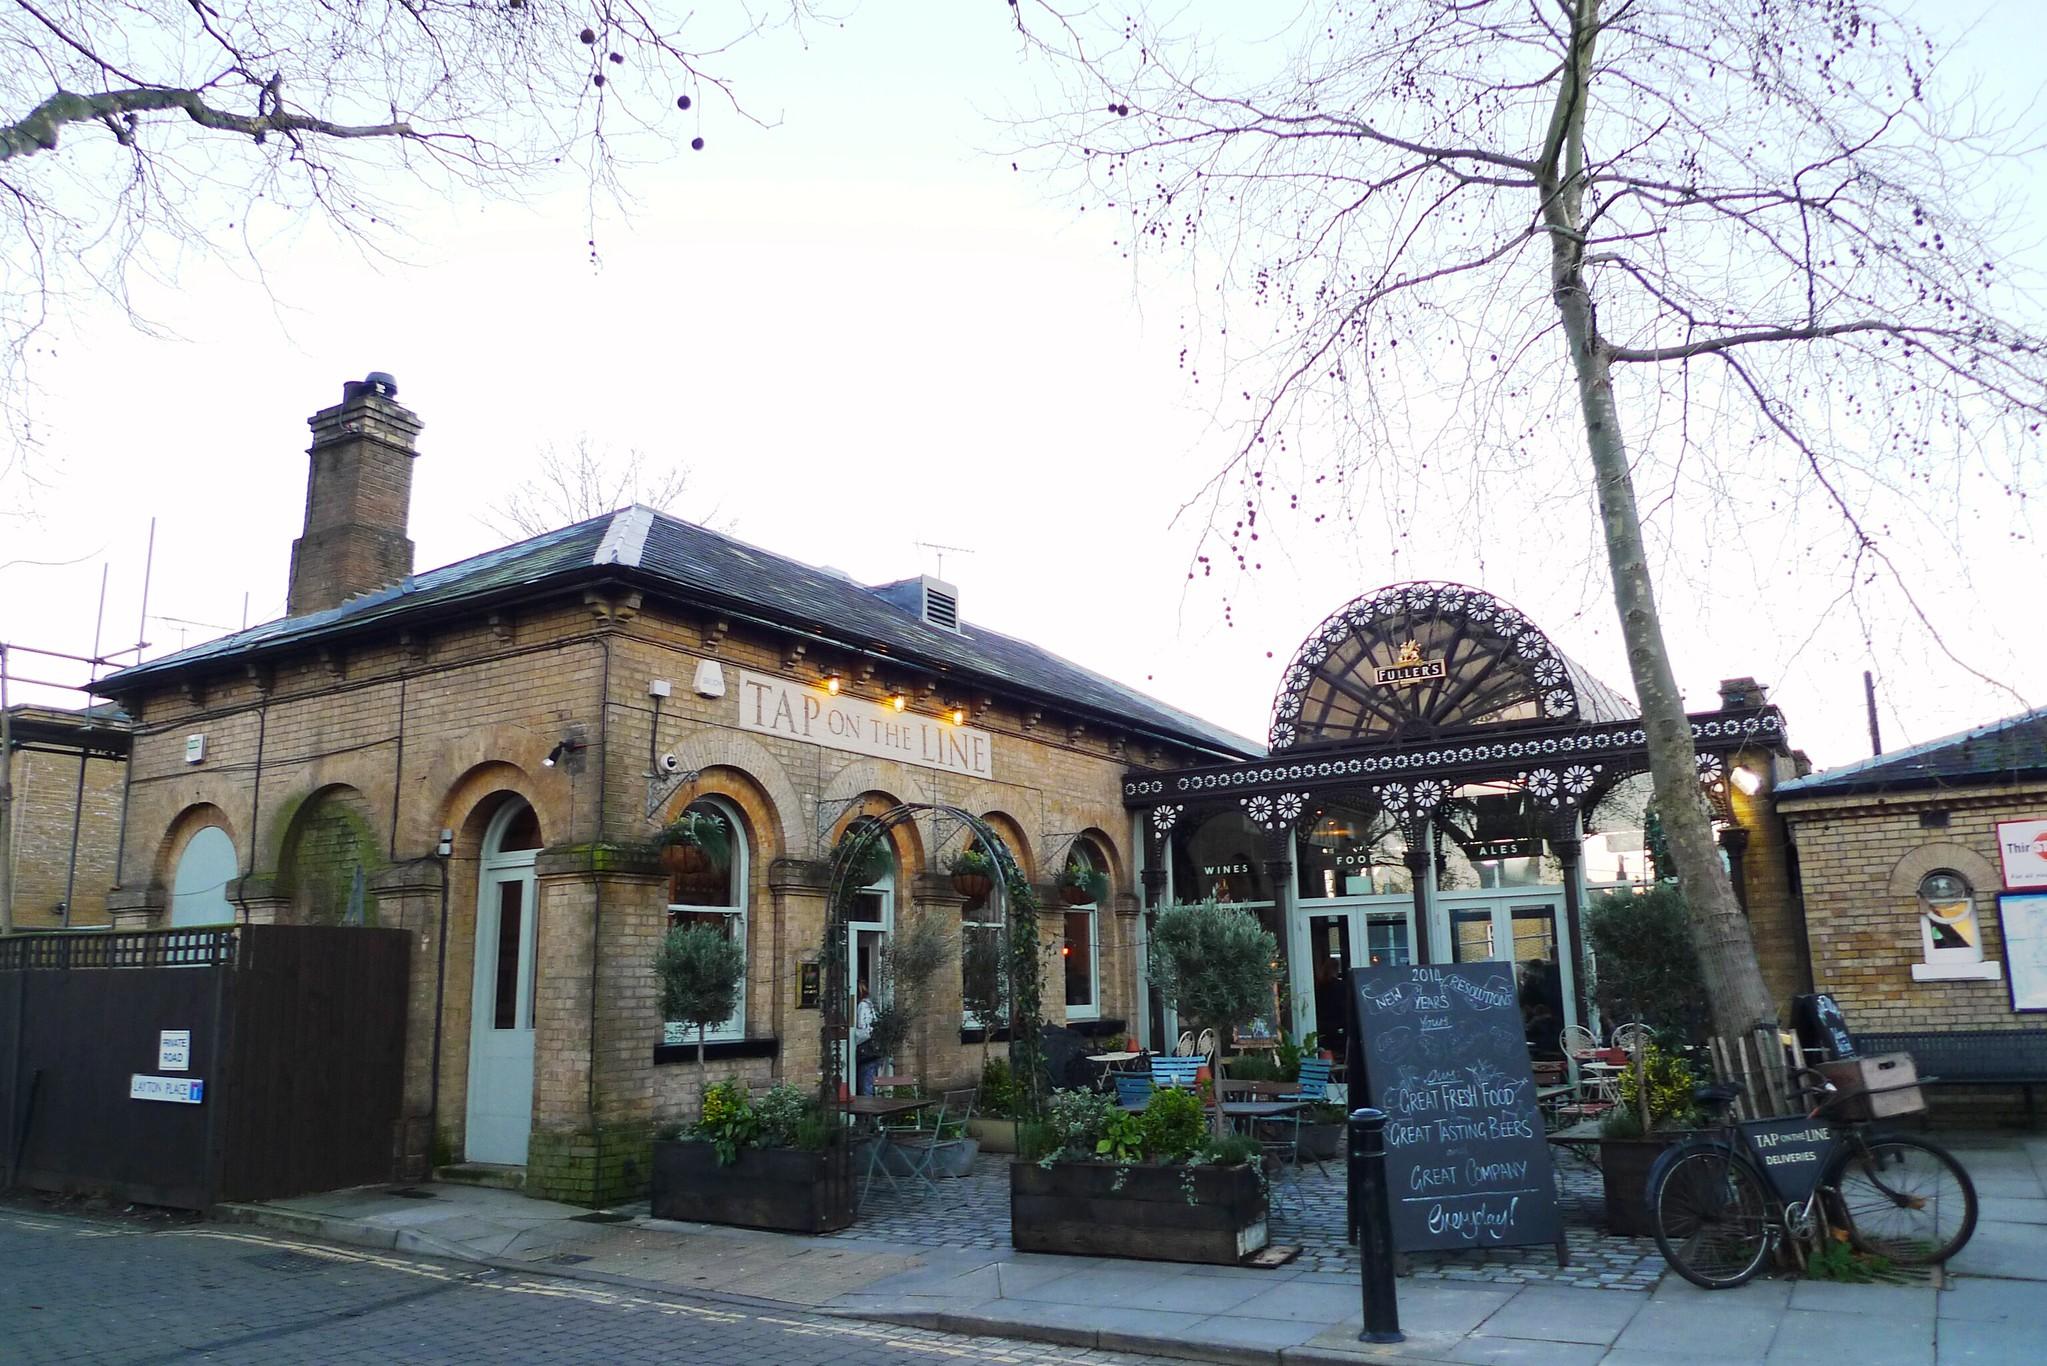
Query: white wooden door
[500, 1111]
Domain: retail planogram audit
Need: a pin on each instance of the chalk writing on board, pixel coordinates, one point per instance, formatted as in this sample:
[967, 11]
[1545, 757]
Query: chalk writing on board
[1446, 1058]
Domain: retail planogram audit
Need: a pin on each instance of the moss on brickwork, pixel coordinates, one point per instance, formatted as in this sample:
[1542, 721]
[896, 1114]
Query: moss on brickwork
[333, 853]
[563, 1164]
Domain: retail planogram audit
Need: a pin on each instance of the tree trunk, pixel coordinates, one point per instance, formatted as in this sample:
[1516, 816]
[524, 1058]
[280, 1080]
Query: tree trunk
[703, 1073]
[1727, 952]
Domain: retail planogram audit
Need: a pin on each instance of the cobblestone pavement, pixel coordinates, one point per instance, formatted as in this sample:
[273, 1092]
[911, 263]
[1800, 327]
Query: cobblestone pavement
[973, 1212]
[89, 1291]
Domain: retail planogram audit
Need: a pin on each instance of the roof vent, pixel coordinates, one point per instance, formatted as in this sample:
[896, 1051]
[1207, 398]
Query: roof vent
[941, 604]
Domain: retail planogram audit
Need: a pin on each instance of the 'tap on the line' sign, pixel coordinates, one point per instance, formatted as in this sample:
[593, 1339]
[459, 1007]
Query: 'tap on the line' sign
[176, 1090]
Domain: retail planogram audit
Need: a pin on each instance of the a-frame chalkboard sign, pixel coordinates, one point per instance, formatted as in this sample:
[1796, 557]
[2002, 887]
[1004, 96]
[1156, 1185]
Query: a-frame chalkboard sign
[1445, 1056]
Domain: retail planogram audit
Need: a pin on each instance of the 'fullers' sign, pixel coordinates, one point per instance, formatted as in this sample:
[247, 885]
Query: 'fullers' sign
[1409, 668]
[775, 706]
[1445, 1056]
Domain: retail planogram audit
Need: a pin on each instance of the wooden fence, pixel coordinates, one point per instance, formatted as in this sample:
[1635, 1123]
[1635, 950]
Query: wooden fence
[295, 1033]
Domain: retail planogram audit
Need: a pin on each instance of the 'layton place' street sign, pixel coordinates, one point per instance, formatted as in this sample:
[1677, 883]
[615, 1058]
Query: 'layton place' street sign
[775, 706]
[1445, 1056]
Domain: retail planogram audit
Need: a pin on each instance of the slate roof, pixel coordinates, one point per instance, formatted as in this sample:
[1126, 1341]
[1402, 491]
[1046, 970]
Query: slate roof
[676, 558]
[2004, 751]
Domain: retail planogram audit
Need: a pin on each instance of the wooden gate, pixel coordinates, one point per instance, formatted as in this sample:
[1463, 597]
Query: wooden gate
[295, 1034]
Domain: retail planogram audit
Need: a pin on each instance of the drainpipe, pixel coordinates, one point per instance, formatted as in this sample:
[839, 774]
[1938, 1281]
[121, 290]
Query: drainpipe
[597, 915]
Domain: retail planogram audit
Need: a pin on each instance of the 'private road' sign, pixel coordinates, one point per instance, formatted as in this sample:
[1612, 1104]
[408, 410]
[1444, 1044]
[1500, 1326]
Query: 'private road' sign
[176, 1090]
[174, 1050]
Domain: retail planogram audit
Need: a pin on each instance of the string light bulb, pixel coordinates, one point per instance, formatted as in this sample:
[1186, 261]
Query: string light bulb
[831, 684]
[899, 701]
[959, 716]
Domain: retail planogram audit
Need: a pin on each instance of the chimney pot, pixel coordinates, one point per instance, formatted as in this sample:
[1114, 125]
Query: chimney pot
[1739, 693]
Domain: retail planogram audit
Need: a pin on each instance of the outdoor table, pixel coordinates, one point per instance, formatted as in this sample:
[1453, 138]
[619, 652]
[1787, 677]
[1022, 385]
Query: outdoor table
[1252, 1110]
[875, 1109]
[1114, 1060]
[1581, 1140]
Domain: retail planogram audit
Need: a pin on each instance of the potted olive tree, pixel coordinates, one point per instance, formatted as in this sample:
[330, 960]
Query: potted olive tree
[1216, 965]
[777, 1163]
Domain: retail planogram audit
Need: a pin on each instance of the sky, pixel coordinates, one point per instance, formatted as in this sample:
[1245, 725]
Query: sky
[862, 330]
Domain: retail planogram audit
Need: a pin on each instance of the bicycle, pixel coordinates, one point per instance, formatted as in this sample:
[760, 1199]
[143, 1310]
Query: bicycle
[1721, 1201]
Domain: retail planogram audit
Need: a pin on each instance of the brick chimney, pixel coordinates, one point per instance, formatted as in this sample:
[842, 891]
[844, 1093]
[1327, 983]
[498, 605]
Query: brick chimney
[358, 497]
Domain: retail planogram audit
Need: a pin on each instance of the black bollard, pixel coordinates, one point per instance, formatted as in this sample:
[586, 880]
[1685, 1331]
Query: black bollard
[1375, 1226]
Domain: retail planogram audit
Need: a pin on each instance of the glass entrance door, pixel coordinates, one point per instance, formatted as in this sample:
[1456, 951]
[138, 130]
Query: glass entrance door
[1339, 939]
[1521, 927]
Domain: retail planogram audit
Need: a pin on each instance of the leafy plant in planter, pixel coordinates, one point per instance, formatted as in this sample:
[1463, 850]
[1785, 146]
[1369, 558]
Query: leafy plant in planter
[1083, 884]
[973, 874]
[1656, 1107]
[696, 844]
[1179, 1194]
[776, 1162]
[1216, 964]
[700, 971]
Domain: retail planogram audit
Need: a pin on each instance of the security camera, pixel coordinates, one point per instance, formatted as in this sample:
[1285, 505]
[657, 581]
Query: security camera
[670, 764]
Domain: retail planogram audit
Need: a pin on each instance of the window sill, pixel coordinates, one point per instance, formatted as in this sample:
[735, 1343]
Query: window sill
[717, 1049]
[976, 1034]
[1991, 971]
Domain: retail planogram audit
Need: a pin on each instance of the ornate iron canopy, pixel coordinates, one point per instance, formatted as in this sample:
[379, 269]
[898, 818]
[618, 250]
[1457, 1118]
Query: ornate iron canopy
[1418, 661]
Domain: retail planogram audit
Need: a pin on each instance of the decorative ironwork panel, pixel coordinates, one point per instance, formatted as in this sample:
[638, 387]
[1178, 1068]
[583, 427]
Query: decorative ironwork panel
[1560, 765]
[1416, 660]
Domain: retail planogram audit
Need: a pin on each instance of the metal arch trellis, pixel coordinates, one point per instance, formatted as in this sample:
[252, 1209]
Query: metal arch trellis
[852, 853]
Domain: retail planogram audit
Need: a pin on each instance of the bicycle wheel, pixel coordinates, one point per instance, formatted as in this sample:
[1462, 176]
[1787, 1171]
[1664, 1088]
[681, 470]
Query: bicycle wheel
[1905, 1198]
[1712, 1215]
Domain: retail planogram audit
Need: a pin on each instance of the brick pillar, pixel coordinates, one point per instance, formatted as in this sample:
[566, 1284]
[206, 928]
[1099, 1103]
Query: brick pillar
[358, 499]
[614, 902]
[258, 901]
[138, 908]
[410, 897]
[935, 1042]
[796, 889]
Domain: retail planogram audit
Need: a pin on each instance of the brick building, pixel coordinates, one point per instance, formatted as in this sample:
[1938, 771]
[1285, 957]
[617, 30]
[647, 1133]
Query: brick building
[66, 769]
[1917, 866]
[473, 753]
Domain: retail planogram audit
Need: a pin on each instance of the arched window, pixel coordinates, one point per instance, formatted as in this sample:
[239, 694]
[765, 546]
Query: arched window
[199, 887]
[714, 896]
[984, 954]
[1947, 918]
[1081, 947]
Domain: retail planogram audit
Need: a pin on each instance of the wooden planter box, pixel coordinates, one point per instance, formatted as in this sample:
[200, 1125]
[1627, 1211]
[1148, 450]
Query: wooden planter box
[1624, 1163]
[1075, 1207]
[778, 1188]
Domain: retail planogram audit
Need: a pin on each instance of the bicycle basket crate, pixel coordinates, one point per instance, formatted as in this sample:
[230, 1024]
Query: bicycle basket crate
[1877, 1088]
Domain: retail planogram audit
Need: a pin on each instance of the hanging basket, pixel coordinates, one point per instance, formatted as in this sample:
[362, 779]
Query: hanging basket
[975, 887]
[685, 861]
[1074, 896]
[698, 888]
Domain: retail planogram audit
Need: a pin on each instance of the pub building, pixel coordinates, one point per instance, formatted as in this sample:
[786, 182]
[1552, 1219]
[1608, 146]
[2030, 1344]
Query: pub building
[1444, 785]
[478, 754]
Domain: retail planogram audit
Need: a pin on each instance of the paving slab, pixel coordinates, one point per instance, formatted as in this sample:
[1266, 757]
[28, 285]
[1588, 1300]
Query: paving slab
[2011, 1209]
[1834, 1338]
[1307, 1300]
[1141, 1287]
[1552, 1313]
[1524, 1352]
[1259, 1337]
[1988, 1300]
[1966, 1342]
[1874, 1301]
[2017, 1251]
[1725, 1328]
[1761, 1293]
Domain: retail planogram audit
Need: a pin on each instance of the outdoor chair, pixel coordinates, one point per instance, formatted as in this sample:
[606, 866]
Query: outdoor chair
[1205, 1045]
[1184, 1046]
[917, 1145]
[1132, 1088]
[1579, 1041]
[1180, 1072]
[1314, 1082]
[1632, 1037]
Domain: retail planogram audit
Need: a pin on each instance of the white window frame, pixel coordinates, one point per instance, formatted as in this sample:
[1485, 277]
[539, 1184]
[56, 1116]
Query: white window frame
[996, 905]
[1964, 963]
[1093, 1009]
[741, 883]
